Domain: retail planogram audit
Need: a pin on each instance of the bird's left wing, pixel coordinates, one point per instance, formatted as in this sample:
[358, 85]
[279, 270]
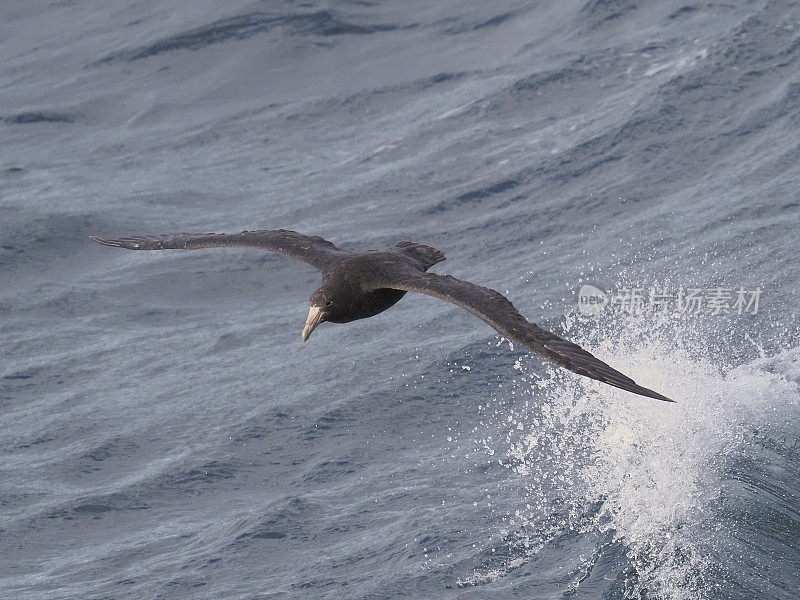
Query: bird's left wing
[498, 311]
[311, 249]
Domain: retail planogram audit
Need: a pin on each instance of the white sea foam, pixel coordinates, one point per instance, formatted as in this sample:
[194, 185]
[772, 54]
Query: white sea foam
[635, 472]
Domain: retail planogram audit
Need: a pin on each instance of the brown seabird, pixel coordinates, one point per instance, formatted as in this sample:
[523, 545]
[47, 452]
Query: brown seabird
[357, 285]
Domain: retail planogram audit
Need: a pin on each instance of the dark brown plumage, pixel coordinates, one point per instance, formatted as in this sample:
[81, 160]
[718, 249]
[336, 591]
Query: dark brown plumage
[357, 285]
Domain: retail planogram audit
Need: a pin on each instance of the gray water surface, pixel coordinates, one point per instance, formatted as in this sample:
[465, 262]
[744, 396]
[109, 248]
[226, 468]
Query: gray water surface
[164, 433]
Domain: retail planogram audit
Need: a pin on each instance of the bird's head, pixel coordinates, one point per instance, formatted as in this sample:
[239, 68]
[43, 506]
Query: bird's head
[323, 305]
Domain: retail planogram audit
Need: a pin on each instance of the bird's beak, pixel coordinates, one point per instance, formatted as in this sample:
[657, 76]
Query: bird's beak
[315, 316]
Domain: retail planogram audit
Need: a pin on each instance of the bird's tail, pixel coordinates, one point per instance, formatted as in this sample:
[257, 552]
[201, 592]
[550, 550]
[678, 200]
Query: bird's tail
[426, 255]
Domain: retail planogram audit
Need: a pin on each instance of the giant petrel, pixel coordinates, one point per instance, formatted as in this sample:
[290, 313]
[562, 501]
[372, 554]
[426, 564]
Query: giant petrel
[357, 285]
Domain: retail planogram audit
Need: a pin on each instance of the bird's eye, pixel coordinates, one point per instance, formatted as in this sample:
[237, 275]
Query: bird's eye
[329, 302]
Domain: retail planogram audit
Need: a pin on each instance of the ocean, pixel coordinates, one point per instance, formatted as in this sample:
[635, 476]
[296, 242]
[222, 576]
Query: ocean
[625, 172]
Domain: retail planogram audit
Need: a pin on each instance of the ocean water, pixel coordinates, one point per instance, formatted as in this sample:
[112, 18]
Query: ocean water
[164, 433]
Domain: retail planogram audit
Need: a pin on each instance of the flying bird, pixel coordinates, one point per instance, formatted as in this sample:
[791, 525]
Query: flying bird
[357, 285]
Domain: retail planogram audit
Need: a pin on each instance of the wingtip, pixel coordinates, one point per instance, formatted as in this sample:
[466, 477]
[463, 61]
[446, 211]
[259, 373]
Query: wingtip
[655, 395]
[665, 399]
[103, 241]
[635, 388]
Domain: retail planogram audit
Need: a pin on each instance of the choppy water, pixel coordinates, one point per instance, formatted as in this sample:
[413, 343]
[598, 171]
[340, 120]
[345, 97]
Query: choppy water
[165, 434]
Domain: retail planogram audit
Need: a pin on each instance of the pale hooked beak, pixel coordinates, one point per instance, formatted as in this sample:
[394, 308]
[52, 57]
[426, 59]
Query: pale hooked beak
[315, 316]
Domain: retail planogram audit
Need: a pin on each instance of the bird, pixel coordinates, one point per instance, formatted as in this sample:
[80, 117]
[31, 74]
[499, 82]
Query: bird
[358, 285]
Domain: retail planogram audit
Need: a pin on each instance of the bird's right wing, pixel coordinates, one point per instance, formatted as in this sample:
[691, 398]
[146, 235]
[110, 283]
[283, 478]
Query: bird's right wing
[311, 249]
[498, 311]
